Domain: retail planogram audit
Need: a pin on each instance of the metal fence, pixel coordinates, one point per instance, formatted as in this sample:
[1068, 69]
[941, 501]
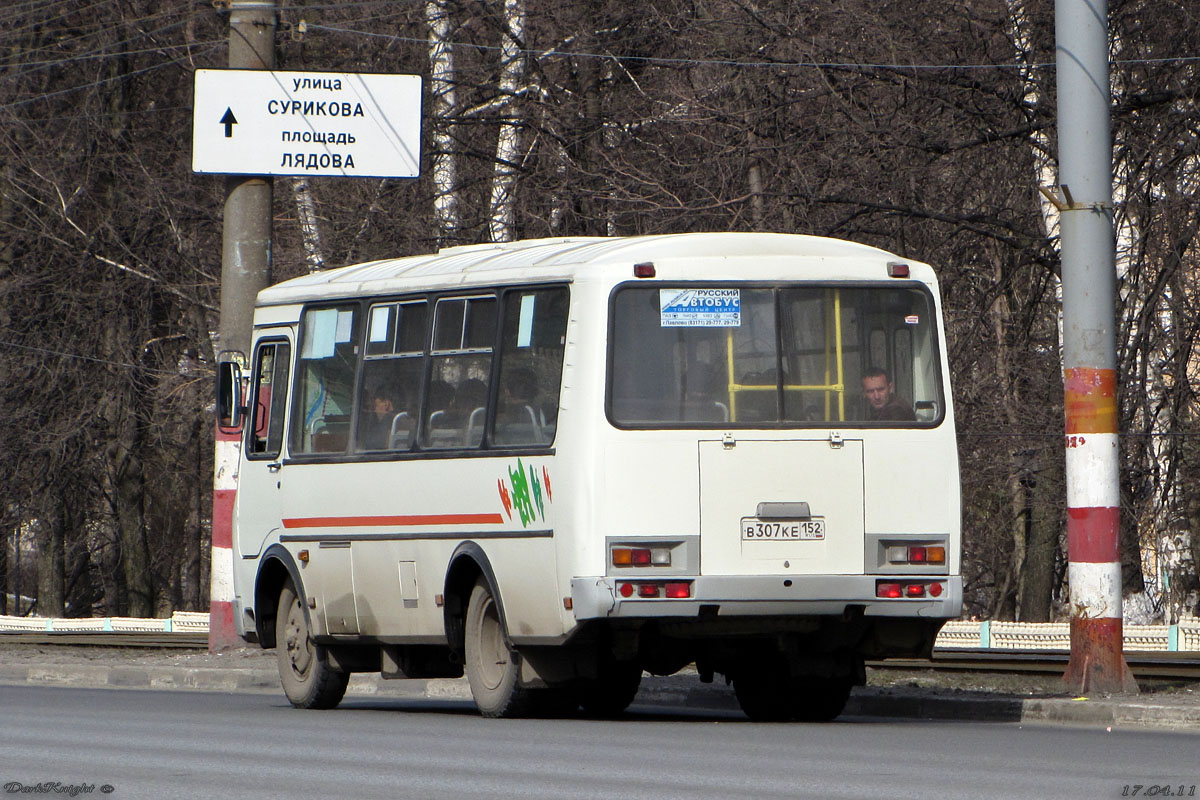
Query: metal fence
[961, 634]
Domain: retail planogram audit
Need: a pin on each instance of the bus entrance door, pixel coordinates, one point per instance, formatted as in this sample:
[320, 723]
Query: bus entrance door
[260, 472]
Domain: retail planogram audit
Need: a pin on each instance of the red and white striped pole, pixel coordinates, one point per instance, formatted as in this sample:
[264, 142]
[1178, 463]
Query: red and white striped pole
[1093, 526]
[1089, 349]
[221, 631]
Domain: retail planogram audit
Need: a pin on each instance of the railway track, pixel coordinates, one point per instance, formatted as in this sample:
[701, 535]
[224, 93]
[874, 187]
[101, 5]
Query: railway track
[1157, 665]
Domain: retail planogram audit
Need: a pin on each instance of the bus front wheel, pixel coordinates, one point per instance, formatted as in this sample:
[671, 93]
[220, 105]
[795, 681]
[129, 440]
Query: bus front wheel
[492, 667]
[308, 679]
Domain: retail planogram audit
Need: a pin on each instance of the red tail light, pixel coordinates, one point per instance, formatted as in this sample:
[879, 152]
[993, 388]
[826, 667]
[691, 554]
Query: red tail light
[672, 590]
[888, 590]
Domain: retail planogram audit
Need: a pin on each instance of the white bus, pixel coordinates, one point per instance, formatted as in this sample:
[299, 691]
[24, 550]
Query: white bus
[558, 464]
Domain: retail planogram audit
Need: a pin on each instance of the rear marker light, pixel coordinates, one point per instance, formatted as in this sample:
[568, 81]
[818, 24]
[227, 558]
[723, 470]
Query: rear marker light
[897, 269]
[935, 590]
[647, 590]
[916, 554]
[641, 556]
[645, 270]
[626, 589]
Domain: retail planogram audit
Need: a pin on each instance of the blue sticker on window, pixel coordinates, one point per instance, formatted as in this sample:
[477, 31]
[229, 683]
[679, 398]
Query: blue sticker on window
[700, 308]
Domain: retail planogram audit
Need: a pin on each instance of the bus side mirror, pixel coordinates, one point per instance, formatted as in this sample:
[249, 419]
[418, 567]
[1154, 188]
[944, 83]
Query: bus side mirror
[229, 392]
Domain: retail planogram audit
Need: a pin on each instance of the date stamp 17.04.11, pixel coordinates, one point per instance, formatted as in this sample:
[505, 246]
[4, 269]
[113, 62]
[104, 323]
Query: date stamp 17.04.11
[1159, 790]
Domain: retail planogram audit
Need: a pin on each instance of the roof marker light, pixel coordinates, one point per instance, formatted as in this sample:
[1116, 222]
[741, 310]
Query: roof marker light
[897, 269]
[644, 270]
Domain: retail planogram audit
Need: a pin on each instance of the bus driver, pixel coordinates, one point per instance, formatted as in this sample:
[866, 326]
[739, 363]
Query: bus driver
[880, 394]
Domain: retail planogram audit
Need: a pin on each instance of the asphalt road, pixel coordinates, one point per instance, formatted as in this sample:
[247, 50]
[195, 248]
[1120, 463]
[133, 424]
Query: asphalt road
[154, 744]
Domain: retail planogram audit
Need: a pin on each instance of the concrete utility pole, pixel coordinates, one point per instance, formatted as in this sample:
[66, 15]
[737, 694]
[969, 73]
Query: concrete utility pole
[245, 269]
[1089, 349]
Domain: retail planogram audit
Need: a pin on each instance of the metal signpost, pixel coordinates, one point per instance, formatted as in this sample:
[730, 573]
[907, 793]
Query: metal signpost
[249, 123]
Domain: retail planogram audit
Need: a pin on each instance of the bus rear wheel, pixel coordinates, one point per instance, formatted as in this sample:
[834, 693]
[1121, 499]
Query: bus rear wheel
[308, 679]
[492, 667]
[611, 692]
[772, 694]
[820, 699]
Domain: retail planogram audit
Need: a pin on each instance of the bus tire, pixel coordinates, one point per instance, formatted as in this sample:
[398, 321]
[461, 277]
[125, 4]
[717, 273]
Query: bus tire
[610, 693]
[764, 694]
[308, 679]
[820, 699]
[492, 667]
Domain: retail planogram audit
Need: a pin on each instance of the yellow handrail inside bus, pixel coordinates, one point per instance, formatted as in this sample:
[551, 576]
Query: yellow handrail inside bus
[834, 363]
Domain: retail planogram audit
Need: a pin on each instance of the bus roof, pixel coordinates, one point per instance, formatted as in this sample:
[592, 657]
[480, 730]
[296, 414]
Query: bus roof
[539, 260]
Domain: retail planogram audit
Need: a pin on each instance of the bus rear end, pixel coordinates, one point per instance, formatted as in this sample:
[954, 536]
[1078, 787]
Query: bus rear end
[780, 489]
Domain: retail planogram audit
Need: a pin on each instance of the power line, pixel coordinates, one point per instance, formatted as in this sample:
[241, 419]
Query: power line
[102, 81]
[736, 63]
[92, 359]
[101, 50]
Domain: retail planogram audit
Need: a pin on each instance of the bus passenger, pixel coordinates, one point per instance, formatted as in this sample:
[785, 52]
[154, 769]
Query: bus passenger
[880, 394]
[375, 428]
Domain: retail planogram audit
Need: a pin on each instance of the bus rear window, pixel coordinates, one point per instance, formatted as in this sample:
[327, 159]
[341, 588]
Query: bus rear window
[794, 356]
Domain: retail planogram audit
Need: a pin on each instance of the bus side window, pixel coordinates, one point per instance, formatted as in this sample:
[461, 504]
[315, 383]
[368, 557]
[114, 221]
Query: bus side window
[325, 380]
[531, 358]
[464, 332]
[270, 398]
[393, 368]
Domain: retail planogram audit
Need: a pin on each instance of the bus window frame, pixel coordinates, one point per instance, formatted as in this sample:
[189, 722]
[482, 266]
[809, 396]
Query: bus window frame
[485, 449]
[251, 417]
[779, 425]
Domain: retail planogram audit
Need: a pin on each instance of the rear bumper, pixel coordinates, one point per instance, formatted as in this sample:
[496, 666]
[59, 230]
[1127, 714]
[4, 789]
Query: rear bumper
[767, 595]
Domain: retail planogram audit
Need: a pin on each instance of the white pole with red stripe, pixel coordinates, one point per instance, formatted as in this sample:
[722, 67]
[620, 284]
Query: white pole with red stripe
[245, 270]
[1089, 350]
[222, 633]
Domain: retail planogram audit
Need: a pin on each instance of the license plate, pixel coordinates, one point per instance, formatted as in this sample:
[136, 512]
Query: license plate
[754, 529]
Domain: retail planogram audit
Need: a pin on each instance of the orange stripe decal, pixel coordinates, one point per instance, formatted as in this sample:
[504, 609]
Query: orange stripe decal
[405, 520]
[1091, 400]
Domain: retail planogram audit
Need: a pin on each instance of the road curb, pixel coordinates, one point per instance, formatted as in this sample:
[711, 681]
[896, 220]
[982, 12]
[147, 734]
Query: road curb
[676, 692]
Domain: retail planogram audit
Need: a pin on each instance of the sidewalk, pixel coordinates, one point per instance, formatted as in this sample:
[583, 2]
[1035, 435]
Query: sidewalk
[902, 694]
